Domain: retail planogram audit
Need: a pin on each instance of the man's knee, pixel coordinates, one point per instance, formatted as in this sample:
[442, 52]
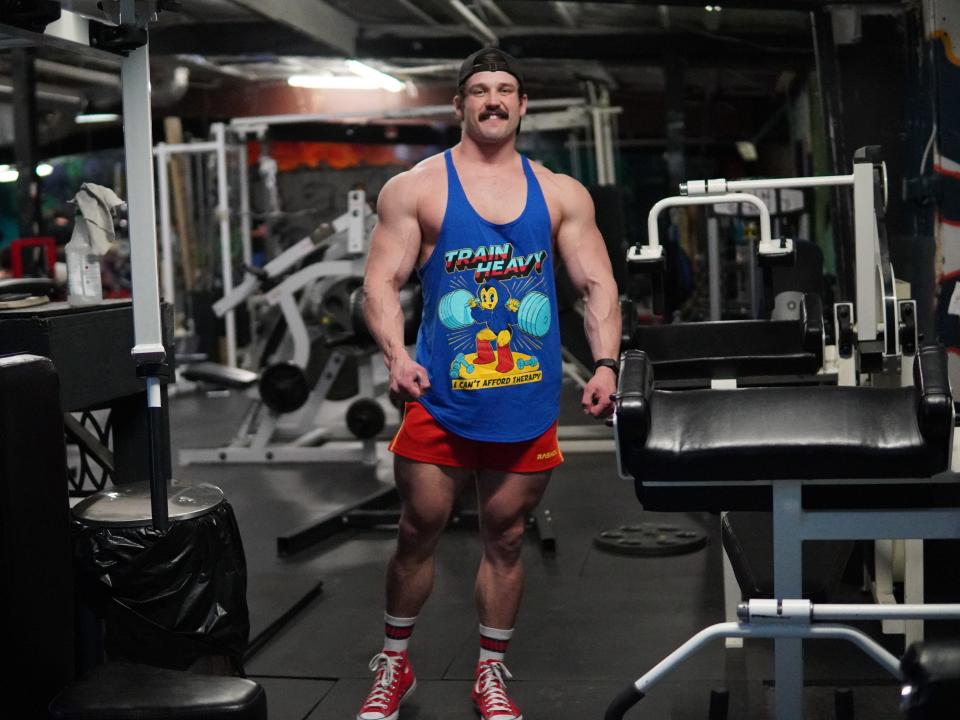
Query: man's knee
[503, 535]
[420, 530]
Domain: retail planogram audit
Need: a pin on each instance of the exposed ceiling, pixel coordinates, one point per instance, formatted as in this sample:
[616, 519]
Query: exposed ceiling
[614, 42]
[745, 52]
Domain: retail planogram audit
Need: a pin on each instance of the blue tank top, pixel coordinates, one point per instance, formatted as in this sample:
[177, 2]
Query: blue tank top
[489, 335]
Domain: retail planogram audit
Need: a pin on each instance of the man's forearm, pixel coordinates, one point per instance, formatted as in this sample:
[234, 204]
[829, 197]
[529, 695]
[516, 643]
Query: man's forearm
[601, 319]
[384, 317]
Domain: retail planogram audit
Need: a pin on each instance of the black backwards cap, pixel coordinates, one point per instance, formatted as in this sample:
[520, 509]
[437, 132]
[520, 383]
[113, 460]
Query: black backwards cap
[489, 59]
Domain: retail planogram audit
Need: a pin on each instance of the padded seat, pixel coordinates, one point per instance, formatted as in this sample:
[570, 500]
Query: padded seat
[750, 436]
[127, 691]
[736, 348]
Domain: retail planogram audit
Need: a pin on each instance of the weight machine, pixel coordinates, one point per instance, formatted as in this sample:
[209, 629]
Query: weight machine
[220, 149]
[856, 457]
[302, 372]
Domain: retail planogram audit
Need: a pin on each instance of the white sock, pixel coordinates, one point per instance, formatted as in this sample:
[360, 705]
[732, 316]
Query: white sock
[493, 642]
[397, 632]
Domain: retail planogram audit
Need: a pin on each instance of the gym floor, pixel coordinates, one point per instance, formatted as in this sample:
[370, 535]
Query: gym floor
[590, 622]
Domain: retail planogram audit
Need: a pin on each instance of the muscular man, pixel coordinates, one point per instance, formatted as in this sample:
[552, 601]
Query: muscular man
[482, 226]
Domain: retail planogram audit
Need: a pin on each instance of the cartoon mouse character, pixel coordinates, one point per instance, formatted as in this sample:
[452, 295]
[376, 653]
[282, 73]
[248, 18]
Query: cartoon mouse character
[490, 310]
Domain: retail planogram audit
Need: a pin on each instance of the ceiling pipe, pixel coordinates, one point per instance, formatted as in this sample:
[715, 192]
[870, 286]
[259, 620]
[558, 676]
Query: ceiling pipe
[476, 23]
[563, 12]
[202, 63]
[414, 10]
[48, 94]
[94, 77]
[663, 14]
[450, 68]
[491, 7]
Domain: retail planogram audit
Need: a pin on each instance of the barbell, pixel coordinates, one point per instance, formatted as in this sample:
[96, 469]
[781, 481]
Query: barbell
[533, 315]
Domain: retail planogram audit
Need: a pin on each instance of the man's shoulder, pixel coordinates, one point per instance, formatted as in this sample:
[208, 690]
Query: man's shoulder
[428, 170]
[407, 188]
[557, 186]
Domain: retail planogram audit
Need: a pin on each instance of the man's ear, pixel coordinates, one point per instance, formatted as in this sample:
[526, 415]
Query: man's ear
[523, 105]
[458, 106]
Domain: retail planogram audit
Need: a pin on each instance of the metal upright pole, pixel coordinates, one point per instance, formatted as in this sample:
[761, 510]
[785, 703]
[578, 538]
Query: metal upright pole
[713, 265]
[226, 260]
[166, 232]
[787, 583]
[25, 139]
[246, 230]
[831, 101]
[148, 350]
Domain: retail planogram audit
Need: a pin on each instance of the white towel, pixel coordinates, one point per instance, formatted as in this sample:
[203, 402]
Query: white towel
[95, 207]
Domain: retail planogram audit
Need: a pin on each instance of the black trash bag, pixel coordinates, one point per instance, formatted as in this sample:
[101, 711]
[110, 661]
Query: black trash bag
[173, 599]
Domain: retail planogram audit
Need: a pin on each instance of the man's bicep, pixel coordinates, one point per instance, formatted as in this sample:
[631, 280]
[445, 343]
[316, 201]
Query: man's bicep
[395, 240]
[579, 241]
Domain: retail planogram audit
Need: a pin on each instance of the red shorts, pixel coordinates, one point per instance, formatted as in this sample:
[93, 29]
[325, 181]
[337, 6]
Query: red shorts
[423, 439]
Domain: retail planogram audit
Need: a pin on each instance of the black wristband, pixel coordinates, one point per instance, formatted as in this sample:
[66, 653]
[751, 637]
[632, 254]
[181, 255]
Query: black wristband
[607, 362]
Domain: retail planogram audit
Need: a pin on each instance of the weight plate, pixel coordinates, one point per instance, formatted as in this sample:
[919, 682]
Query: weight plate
[650, 540]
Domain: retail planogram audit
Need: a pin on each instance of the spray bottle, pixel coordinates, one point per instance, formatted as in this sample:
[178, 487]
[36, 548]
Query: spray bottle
[93, 235]
[84, 286]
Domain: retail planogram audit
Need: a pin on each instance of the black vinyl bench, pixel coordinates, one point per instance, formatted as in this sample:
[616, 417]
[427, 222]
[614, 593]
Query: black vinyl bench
[829, 462]
[127, 691]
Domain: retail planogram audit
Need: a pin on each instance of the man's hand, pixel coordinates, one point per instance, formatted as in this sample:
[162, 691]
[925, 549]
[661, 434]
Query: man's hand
[596, 400]
[408, 380]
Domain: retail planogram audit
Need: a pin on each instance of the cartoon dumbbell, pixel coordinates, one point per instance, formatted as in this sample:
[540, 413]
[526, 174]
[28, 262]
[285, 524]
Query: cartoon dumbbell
[531, 363]
[460, 361]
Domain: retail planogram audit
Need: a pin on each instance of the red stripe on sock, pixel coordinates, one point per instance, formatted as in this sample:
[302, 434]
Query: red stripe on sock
[398, 633]
[494, 645]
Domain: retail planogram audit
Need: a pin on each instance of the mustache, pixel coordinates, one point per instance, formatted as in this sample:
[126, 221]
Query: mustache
[502, 114]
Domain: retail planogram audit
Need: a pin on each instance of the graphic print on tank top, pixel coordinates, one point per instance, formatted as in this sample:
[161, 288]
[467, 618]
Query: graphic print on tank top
[496, 316]
[489, 335]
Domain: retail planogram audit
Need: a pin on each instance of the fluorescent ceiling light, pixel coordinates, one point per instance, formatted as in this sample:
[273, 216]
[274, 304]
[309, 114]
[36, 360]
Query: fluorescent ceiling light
[44, 170]
[387, 82]
[332, 82]
[92, 118]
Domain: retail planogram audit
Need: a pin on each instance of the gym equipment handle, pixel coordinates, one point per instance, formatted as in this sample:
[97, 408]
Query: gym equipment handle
[627, 698]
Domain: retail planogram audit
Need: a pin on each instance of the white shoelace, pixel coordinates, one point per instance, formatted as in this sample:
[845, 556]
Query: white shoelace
[490, 684]
[387, 666]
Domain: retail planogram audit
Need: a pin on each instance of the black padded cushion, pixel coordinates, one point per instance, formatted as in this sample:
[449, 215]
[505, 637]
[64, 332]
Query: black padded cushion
[736, 348]
[934, 402]
[771, 433]
[932, 670]
[140, 692]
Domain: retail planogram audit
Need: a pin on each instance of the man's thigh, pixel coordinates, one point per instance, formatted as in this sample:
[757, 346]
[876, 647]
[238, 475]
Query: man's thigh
[427, 490]
[506, 497]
